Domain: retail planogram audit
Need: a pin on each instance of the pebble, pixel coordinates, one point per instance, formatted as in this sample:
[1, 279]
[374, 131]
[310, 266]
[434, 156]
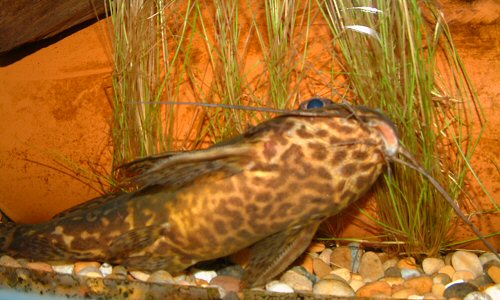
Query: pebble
[333, 287]
[466, 261]
[487, 256]
[493, 291]
[90, 271]
[205, 275]
[393, 281]
[458, 289]
[477, 296]
[161, 276]
[432, 265]
[407, 263]
[409, 273]
[316, 247]
[404, 293]
[391, 262]
[326, 255]
[278, 287]
[139, 275]
[464, 275]
[422, 284]
[481, 281]
[392, 272]
[448, 270]
[228, 283]
[441, 278]
[438, 289]
[375, 289]
[371, 267]
[297, 280]
[342, 273]
[85, 264]
[341, 258]
[106, 269]
[63, 269]
[307, 263]
[356, 284]
[40, 266]
[492, 269]
[321, 268]
[234, 271]
[8, 261]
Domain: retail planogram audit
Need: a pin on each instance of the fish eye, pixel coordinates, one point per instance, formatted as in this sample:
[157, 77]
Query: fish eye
[315, 103]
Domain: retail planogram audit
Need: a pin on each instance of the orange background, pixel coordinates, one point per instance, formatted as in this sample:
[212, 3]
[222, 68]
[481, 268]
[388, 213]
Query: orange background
[55, 103]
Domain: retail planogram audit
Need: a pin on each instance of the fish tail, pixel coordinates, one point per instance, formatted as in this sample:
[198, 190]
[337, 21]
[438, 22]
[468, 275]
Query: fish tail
[7, 229]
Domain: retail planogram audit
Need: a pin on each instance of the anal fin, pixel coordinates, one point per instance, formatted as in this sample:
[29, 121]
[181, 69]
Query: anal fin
[274, 254]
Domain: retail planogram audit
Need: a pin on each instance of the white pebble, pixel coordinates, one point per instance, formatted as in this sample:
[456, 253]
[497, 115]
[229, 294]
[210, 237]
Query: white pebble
[278, 287]
[140, 275]
[477, 296]
[431, 265]
[106, 269]
[467, 261]
[64, 269]
[90, 272]
[416, 297]
[205, 275]
[342, 273]
[493, 291]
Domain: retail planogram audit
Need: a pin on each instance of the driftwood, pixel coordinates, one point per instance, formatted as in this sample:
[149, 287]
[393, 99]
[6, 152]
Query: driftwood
[26, 21]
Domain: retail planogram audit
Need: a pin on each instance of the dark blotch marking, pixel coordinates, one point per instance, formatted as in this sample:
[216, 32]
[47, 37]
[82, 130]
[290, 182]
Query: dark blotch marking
[338, 157]
[236, 201]
[345, 129]
[319, 151]
[348, 170]
[303, 133]
[362, 182]
[269, 149]
[220, 227]
[322, 133]
[263, 197]
[323, 173]
[359, 155]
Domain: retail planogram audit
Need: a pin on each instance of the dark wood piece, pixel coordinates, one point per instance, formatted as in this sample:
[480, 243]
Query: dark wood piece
[26, 21]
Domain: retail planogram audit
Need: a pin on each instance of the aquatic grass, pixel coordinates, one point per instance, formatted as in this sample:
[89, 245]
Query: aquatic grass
[147, 40]
[404, 63]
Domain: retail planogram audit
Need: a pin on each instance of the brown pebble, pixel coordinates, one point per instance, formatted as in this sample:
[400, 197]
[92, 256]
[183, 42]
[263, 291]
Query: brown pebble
[229, 283]
[462, 274]
[139, 275]
[374, 289]
[341, 258]
[404, 293]
[422, 284]
[8, 261]
[316, 247]
[321, 268]
[307, 263]
[407, 263]
[85, 264]
[493, 272]
[449, 270]
[438, 290]
[392, 281]
[40, 266]
[162, 276]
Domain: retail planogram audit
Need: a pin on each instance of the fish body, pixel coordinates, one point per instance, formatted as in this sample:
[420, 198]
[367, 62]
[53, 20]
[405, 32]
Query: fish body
[267, 189]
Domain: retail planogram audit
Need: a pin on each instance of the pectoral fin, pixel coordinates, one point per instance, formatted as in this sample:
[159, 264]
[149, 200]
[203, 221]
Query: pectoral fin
[274, 254]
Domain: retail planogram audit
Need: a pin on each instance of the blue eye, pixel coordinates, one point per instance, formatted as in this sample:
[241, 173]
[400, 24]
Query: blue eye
[315, 103]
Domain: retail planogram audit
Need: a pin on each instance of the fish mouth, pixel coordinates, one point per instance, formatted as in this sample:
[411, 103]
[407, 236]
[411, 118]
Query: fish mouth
[385, 126]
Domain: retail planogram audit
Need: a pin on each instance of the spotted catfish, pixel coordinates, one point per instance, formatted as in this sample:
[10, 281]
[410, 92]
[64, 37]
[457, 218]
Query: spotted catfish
[267, 189]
